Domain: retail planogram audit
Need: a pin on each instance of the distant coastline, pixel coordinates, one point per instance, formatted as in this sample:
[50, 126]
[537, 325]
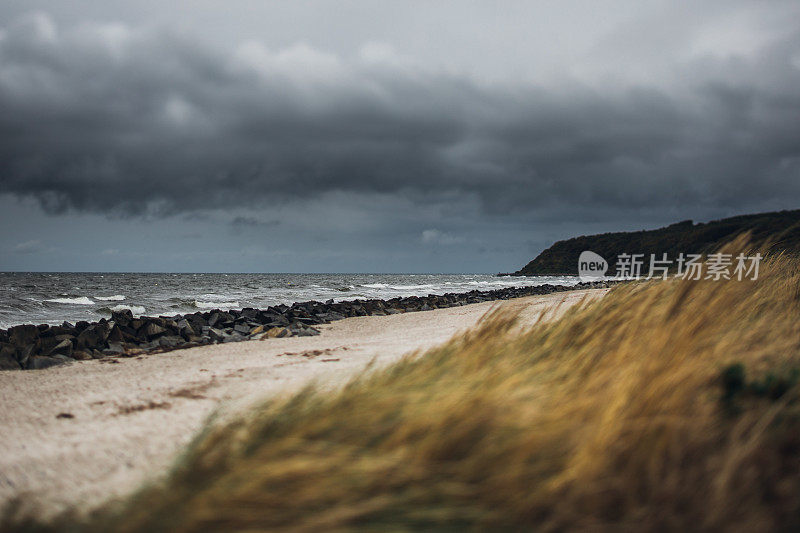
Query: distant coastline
[780, 231]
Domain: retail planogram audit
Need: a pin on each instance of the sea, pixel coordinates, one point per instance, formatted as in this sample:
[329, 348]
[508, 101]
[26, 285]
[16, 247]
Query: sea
[52, 298]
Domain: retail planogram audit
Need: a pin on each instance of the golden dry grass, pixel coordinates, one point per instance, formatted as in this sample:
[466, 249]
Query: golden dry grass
[628, 413]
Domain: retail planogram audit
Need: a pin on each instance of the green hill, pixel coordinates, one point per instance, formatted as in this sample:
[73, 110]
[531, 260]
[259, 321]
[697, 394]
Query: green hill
[780, 229]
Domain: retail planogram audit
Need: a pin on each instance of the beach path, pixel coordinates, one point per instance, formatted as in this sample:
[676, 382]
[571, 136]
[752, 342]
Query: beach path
[81, 434]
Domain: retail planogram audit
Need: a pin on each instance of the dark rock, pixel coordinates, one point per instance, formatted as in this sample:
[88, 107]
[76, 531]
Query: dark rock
[123, 317]
[91, 337]
[216, 335]
[8, 361]
[80, 355]
[38, 362]
[170, 341]
[214, 319]
[185, 328]
[62, 348]
[331, 316]
[226, 320]
[242, 329]
[45, 345]
[143, 347]
[131, 335]
[115, 335]
[306, 332]
[57, 330]
[274, 319]
[23, 335]
[153, 330]
[249, 312]
[197, 322]
[275, 333]
[24, 354]
[114, 348]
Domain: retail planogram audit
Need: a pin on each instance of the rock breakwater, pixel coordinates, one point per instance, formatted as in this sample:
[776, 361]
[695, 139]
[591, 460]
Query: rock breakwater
[33, 347]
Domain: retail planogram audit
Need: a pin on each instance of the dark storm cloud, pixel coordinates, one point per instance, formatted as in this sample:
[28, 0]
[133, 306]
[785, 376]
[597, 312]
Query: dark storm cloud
[109, 119]
[252, 222]
[241, 223]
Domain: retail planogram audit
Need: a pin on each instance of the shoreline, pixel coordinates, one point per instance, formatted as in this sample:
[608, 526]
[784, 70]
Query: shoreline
[35, 347]
[78, 435]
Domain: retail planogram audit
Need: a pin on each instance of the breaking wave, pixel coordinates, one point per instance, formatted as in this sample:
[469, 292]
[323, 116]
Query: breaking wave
[82, 300]
[215, 305]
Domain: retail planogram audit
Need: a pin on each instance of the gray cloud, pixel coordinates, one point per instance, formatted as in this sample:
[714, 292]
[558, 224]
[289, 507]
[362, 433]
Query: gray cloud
[438, 237]
[29, 247]
[124, 121]
[241, 223]
[252, 222]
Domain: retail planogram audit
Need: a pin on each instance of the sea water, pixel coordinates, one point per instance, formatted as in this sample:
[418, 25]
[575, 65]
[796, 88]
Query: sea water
[37, 298]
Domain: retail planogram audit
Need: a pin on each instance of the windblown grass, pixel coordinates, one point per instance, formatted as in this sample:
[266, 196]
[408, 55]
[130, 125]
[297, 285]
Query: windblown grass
[655, 407]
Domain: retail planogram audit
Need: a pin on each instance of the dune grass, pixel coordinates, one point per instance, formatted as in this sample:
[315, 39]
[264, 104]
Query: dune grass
[664, 405]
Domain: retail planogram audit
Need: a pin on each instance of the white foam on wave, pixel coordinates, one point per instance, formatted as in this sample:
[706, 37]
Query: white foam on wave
[411, 287]
[216, 305]
[83, 300]
[397, 287]
[135, 309]
[115, 298]
[212, 297]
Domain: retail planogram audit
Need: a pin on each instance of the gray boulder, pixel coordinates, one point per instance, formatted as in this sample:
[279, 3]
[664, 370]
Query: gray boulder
[243, 329]
[62, 348]
[8, 361]
[23, 335]
[91, 337]
[153, 330]
[171, 341]
[114, 348]
[216, 335]
[38, 362]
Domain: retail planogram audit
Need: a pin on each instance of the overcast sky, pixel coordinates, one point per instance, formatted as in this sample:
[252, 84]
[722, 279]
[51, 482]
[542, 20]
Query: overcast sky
[370, 136]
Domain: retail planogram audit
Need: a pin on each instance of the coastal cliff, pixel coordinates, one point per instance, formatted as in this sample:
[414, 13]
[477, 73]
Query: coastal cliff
[780, 230]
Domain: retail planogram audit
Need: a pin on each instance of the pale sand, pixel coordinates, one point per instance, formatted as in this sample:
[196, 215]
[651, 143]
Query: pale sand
[131, 418]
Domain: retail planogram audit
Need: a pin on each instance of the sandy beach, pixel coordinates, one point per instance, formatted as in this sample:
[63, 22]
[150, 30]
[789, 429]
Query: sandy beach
[80, 434]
